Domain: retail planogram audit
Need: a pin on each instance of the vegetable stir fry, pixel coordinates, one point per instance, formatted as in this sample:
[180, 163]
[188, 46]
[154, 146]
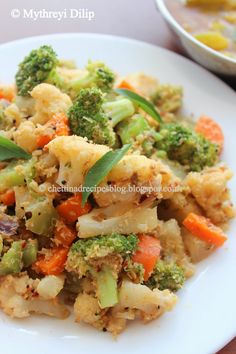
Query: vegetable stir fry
[108, 195]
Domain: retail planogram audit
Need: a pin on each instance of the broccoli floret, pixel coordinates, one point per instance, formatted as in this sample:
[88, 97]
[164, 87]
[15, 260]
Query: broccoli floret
[166, 276]
[84, 253]
[102, 246]
[87, 118]
[168, 98]
[41, 66]
[135, 271]
[118, 110]
[187, 147]
[99, 75]
[106, 287]
[35, 69]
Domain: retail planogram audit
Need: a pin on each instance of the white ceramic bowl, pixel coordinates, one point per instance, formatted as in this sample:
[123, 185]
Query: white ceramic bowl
[202, 54]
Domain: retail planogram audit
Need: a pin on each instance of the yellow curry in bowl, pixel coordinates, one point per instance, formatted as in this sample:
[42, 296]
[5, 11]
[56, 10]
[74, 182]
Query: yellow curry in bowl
[212, 22]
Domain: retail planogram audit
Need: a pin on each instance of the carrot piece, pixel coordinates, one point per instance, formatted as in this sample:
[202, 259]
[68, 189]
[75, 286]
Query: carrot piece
[8, 198]
[54, 264]
[7, 94]
[64, 235]
[43, 140]
[60, 121]
[126, 85]
[211, 131]
[147, 253]
[204, 229]
[59, 127]
[72, 208]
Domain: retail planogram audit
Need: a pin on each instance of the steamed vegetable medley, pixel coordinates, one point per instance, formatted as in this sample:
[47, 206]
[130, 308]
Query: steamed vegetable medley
[108, 196]
[212, 22]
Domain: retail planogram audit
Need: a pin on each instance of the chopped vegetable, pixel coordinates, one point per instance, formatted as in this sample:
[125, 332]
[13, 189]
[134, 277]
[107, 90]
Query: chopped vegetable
[107, 251]
[137, 131]
[207, 127]
[107, 287]
[166, 276]
[190, 149]
[1, 244]
[30, 252]
[101, 246]
[126, 85]
[118, 110]
[9, 150]
[147, 106]
[98, 75]
[41, 65]
[87, 118]
[167, 98]
[16, 174]
[101, 169]
[52, 264]
[147, 253]
[7, 93]
[214, 40]
[41, 216]
[8, 225]
[56, 126]
[204, 229]
[8, 198]
[64, 235]
[35, 69]
[206, 2]
[72, 208]
[129, 129]
[11, 262]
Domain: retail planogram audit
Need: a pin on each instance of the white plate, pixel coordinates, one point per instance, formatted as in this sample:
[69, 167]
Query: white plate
[204, 319]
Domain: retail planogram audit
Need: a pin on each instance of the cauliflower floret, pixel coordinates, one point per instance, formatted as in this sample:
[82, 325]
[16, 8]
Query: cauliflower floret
[134, 300]
[173, 246]
[196, 248]
[19, 298]
[25, 136]
[70, 74]
[13, 115]
[149, 303]
[49, 101]
[209, 188]
[76, 156]
[105, 198]
[87, 310]
[25, 105]
[145, 84]
[50, 286]
[45, 166]
[121, 218]
[178, 207]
